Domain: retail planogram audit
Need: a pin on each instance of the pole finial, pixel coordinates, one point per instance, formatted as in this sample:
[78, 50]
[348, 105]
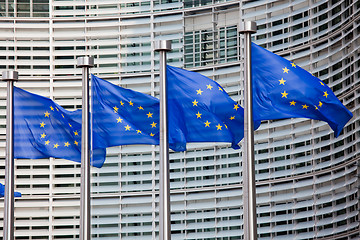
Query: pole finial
[163, 45]
[85, 62]
[10, 76]
[247, 27]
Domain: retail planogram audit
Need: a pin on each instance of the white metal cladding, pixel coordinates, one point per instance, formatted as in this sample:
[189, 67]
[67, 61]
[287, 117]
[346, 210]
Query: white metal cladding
[307, 180]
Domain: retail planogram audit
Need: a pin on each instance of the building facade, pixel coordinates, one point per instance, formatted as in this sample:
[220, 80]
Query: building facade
[307, 180]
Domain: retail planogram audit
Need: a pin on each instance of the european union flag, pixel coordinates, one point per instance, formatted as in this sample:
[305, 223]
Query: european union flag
[281, 89]
[201, 111]
[122, 116]
[44, 129]
[2, 191]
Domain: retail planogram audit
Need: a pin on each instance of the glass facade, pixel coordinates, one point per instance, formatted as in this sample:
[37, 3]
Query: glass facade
[307, 180]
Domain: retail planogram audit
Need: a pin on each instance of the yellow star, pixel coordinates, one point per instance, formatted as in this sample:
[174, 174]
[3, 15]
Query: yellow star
[195, 102]
[115, 109]
[63, 115]
[207, 123]
[325, 94]
[47, 114]
[232, 118]
[320, 104]
[127, 128]
[284, 94]
[67, 144]
[153, 125]
[286, 70]
[138, 131]
[149, 115]
[119, 120]
[316, 108]
[292, 103]
[76, 143]
[209, 87]
[42, 124]
[76, 133]
[282, 81]
[219, 127]
[121, 103]
[225, 125]
[70, 125]
[51, 108]
[57, 109]
[236, 107]
[140, 108]
[151, 134]
[221, 89]
[131, 103]
[305, 106]
[293, 65]
[56, 145]
[322, 83]
[198, 115]
[43, 135]
[47, 142]
[199, 92]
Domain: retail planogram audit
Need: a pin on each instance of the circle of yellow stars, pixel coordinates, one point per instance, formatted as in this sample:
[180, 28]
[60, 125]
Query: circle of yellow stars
[195, 102]
[127, 127]
[284, 94]
[43, 135]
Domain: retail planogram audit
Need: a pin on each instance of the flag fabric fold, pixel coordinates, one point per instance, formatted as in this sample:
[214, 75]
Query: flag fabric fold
[281, 89]
[44, 129]
[2, 191]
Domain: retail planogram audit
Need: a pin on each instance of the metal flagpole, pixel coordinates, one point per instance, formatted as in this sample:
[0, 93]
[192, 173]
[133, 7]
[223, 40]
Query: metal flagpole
[9, 77]
[249, 188]
[162, 47]
[85, 215]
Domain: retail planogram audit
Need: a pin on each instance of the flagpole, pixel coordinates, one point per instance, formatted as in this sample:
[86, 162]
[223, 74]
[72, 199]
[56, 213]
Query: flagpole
[9, 77]
[249, 187]
[85, 214]
[162, 47]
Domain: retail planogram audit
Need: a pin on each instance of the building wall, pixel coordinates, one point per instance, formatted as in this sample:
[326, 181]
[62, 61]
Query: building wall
[307, 180]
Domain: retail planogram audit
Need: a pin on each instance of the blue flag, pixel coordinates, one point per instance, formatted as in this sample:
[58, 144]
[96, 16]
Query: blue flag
[2, 191]
[201, 111]
[281, 89]
[44, 129]
[122, 116]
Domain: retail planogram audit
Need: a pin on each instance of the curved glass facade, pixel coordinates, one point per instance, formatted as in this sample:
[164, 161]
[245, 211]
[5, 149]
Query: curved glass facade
[307, 180]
